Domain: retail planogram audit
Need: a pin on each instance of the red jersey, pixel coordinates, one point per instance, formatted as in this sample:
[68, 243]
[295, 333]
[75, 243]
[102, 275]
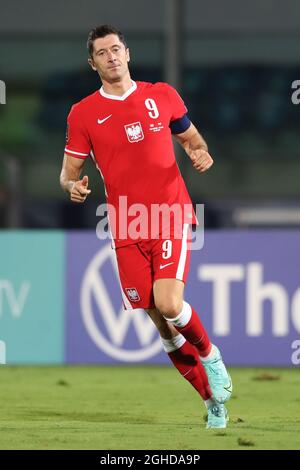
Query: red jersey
[130, 141]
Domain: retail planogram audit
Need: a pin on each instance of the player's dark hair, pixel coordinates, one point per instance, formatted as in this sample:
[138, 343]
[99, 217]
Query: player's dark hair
[101, 32]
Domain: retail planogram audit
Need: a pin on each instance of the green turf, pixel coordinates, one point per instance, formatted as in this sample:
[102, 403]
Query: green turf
[142, 408]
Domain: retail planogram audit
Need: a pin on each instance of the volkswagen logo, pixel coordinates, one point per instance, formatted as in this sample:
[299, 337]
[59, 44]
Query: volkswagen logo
[129, 336]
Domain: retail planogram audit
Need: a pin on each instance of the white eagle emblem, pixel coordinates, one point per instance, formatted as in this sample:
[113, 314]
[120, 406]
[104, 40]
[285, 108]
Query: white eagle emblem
[133, 294]
[134, 132]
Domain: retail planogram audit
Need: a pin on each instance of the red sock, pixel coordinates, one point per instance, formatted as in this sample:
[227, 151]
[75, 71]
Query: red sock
[186, 360]
[196, 334]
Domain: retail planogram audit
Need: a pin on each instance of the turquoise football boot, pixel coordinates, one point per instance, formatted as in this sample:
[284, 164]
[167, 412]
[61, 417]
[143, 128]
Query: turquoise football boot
[217, 416]
[218, 377]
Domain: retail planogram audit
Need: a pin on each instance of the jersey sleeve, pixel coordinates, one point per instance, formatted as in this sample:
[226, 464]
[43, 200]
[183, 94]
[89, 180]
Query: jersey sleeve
[77, 140]
[178, 108]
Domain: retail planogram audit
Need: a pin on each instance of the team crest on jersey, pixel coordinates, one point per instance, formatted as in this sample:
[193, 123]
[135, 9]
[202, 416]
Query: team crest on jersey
[132, 294]
[134, 132]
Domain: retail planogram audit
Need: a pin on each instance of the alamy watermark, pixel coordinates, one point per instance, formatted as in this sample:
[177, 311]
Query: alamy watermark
[155, 221]
[2, 92]
[2, 352]
[296, 94]
[295, 358]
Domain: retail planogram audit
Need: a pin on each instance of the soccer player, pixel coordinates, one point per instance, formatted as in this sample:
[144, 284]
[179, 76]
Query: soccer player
[126, 127]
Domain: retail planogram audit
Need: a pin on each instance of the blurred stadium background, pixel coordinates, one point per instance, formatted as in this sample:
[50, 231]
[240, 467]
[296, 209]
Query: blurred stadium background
[234, 64]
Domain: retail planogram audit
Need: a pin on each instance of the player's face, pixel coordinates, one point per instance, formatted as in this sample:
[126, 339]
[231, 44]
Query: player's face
[110, 58]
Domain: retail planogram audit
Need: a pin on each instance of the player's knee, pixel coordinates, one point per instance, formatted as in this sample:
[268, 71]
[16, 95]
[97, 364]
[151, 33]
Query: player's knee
[169, 307]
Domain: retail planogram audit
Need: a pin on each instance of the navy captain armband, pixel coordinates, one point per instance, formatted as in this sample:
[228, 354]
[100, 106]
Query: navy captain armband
[180, 125]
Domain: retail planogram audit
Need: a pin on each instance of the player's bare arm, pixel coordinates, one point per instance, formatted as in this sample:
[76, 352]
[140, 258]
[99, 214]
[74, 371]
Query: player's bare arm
[196, 148]
[70, 179]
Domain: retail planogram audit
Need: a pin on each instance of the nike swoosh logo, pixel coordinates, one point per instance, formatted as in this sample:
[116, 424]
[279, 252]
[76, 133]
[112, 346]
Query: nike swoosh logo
[101, 121]
[162, 266]
[229, 388]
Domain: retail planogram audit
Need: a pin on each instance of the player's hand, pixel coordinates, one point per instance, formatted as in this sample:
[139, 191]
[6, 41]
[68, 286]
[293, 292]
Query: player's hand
[79, 191]
[201, 160]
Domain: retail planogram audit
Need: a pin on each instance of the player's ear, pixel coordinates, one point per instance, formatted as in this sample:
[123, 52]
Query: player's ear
[127, 55]
[91, 62]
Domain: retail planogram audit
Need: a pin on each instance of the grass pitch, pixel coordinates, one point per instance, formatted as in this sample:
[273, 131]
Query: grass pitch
[142, 408]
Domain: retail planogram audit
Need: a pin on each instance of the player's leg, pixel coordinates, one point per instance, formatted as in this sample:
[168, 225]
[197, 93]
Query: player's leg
[170, 264]
[168, 298]
[183, 355]
[185, 358]
[135, 271]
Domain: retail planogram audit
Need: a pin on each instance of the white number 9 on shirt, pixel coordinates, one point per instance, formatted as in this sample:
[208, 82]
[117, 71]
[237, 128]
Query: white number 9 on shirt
[151, 105]
[167, 249]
